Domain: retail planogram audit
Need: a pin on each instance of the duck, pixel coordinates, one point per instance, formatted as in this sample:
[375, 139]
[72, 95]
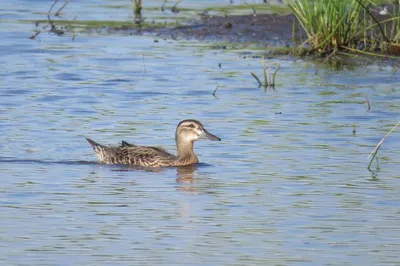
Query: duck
[187, 132]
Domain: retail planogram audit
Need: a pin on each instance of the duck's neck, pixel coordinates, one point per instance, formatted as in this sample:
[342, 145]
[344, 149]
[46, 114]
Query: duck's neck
[186, 154]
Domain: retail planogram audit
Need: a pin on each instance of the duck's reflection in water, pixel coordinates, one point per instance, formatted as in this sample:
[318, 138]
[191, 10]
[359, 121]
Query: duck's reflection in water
[187, 178]
[185, 174]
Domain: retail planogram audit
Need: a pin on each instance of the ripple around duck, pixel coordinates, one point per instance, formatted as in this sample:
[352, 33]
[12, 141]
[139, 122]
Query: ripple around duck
[31, 161]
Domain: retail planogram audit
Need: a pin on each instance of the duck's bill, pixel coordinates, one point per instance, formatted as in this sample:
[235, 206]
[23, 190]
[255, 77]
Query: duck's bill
[209, 136]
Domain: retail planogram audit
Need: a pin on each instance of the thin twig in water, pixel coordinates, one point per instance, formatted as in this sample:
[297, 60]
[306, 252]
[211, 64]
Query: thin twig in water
[330, 56]
[174, 9]
[33, 36]
[50, 23]
[73, 30]
[375, 151]
[55, 2]
[144, 66]
[48, 16]
[62, 7]
[163, 5]
[368, 102]
[53, 27]
[215, 91]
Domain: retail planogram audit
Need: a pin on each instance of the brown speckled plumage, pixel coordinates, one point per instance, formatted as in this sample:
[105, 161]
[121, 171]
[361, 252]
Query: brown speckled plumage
[187, 132]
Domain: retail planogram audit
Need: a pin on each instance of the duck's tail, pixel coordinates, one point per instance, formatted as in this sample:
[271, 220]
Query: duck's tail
[99, 149]
[93, 143]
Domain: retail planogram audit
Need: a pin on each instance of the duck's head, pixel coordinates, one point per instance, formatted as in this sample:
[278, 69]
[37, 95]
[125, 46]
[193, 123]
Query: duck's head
[190, 130]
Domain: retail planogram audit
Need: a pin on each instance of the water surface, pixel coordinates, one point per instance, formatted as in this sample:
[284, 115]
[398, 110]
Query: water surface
[288, 185]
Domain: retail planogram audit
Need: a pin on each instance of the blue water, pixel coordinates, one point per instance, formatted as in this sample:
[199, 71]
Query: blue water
[287, 185]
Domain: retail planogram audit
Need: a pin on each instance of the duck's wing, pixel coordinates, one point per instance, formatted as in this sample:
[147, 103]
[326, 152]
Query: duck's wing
[146, 156]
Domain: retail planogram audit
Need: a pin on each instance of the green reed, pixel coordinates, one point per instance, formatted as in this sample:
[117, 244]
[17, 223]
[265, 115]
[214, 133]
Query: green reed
[269, 77]
[333, 25]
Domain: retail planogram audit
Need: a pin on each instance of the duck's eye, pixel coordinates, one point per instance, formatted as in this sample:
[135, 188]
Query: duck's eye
[191, 126]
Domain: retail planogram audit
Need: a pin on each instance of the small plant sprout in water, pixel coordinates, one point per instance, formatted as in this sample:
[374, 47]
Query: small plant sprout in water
[269, 77]
[374, 153]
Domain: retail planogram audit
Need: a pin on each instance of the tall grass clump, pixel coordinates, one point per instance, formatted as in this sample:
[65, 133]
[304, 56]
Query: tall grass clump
[333, 25]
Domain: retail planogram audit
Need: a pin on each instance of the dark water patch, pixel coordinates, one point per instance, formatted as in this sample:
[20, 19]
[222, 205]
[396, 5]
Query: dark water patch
[115, 82]
[162, 79]
[118, 58]
[197, 93]
[382, 113]
[252, 89]
[60, 50]
[14, 92]
[52, 98]
[9, 104]
[25, 72]
[88, 100]
[82, 111]
[68, 77]
[358, 118]
[119, 80]
[23, 49]
[221, 79]
[152, 93]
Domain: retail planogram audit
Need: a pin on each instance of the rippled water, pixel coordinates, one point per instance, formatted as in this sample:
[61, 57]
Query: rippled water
[288, 185]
